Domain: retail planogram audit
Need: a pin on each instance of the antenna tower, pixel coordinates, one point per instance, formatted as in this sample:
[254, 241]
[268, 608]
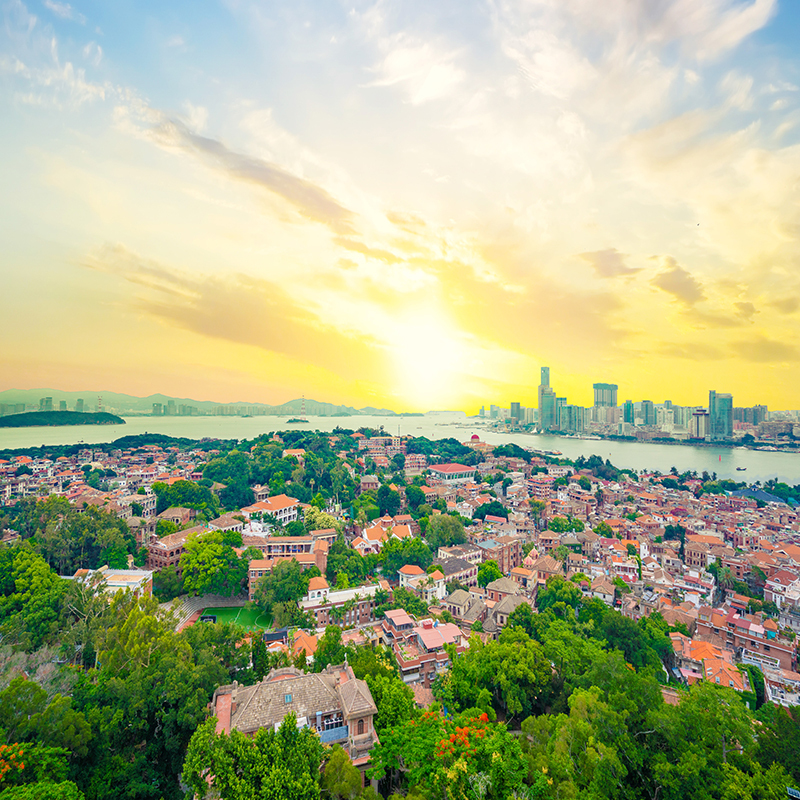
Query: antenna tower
[99, 404]
[303, 408]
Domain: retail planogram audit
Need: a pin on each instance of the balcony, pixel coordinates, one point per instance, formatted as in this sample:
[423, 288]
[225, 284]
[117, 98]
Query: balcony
[332, 735]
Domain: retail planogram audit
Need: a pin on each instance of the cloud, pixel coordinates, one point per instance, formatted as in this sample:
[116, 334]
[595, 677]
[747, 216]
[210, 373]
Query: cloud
[746, 310]
[240, 309]
[423, 69]
[608, 263]
[64, 11]
[694, 351]
[786, 305]
[93, 53]
[359, 247]
[678, 282]
[712, 319]
[310, 200]
[767, 351]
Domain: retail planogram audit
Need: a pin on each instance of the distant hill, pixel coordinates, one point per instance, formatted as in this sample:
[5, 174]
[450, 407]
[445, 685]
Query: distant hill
[127, 404]
[50, 418]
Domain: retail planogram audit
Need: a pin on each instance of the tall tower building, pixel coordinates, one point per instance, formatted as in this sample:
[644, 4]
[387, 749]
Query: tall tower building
[720, 415]
[516, 411]
[547, 402]
[605, 394]
[648, 412]
[629, 412]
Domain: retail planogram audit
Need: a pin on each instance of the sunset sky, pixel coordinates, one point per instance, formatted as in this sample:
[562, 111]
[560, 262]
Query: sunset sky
[403, 204]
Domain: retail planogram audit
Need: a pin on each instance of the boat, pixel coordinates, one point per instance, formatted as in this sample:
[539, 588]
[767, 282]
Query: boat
[741, 469]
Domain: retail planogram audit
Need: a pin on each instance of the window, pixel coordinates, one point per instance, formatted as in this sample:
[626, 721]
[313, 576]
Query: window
[287, 698]
[360, 727]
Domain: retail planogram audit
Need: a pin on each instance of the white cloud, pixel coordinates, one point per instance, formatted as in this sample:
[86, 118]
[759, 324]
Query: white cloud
[93, 53]
[425, 72]
[65, 11]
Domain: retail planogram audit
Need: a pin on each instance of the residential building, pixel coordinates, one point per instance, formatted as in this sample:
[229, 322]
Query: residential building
[334, 703]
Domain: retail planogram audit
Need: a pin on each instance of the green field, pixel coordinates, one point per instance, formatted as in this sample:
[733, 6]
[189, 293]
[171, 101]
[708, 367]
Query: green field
[250, 619]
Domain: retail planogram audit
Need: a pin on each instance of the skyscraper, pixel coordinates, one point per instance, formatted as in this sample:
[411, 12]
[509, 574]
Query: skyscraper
[516, 411]
[629, 412]
[648, 412]
[720, 413]
[605, 394]
[547, 402]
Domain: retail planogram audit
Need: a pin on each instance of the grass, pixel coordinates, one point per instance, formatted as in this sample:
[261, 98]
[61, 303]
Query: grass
[251, 619]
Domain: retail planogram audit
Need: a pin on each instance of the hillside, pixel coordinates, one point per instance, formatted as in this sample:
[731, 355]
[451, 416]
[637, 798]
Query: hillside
[130, 404]
[52, 418]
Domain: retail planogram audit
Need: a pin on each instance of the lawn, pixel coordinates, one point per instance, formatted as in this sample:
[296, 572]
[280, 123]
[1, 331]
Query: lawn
[250, 619]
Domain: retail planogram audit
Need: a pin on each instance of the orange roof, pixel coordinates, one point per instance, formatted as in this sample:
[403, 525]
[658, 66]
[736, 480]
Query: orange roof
[317, 583]
[411, 569]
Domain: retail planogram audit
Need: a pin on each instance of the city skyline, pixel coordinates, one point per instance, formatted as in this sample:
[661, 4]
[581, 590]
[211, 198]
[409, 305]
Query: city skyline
[399, 205]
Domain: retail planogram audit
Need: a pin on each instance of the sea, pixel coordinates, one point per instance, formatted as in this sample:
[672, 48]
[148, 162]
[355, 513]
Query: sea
[740, 464]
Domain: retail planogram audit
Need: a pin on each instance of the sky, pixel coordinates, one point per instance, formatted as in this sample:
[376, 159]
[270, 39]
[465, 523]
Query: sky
[402, 204]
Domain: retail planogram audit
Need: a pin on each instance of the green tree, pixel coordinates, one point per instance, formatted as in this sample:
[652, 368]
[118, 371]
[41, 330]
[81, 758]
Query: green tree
[393, 699]
[444, 531]
[494, 508]
[388, 500]
[340, 779]
[286, 582]
[209, 564]
[275, 765]
[30, 597]
[330, 649]
[415, 497]
[488, 572]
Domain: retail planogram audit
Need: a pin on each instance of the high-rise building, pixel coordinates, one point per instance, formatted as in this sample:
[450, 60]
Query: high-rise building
[494, 412]
[648, 412]
[171, 408]
[158, 410]
[629, 412]
[720, 412]
[62, 405]
[699, 428]
[753, 416]
[571, 419]
[605, 394]
[46, 404]
[547, 402]
[79, 405]
[516, 412]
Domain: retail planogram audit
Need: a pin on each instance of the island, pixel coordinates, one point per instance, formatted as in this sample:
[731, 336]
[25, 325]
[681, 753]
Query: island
[32, 419]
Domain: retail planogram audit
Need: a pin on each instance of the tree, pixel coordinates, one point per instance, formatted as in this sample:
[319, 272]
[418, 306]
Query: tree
[488, 572]
[397, 553]
[388, 500]
[287, 582]
[275, 765]
[167, 584]
[393, 699]
[330, 649]
[447, 757]
[444, 531]
[494, 508]
[30, 597]
[340, 779]
[209, 564]
[604, 529]
[415, 497]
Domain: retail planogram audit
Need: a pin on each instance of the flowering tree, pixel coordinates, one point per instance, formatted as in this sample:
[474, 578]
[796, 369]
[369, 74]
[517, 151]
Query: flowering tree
[452, 758]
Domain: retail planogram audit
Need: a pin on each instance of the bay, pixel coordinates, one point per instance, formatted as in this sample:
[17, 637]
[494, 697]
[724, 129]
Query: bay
[758, 465]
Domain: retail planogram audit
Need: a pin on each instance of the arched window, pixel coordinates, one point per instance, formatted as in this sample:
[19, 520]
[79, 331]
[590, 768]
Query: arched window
[360, 727]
